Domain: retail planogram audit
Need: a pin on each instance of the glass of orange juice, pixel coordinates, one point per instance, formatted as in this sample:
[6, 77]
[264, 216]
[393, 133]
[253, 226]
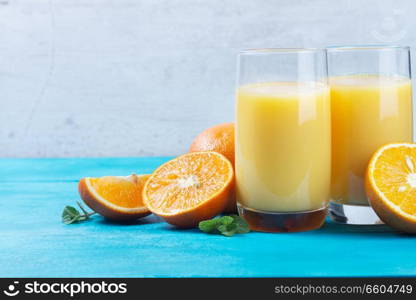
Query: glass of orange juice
[283, 139]
[371, 104]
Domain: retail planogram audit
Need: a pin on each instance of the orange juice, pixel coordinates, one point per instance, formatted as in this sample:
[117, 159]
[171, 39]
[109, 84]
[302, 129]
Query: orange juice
[283, 146]
[368, 111]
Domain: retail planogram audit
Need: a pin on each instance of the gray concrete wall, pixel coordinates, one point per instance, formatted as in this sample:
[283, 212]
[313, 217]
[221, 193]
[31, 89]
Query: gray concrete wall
[136, 78]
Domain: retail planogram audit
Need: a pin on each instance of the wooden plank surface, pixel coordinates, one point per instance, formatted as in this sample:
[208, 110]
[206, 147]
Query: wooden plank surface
[34, 242]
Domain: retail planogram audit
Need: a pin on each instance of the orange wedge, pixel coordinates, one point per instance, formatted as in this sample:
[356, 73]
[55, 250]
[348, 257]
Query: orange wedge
[391, 185]
[115, 197]
[190, 188]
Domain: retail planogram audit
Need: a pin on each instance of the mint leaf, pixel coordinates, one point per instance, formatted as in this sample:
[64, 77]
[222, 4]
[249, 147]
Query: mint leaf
[211, 226]
[241, 224]
[228, 230]
[208, 226]
[225, 220]
[226, 225]
[70, 215]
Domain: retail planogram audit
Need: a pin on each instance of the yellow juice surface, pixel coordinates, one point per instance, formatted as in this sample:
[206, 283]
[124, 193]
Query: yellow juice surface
[368, 111]
[283, 146]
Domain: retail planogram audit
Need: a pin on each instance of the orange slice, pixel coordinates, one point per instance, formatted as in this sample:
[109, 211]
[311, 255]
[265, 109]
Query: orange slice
[190, 188]
[115, 197]
[391, 185]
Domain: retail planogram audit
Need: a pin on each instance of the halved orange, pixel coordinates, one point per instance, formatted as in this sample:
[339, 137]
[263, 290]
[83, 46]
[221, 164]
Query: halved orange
[190, 188]
[115, 197]
[219, 138]
[391, 185]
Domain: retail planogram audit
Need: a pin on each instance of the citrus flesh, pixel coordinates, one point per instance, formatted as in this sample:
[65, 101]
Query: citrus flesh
[391, 185]
[115, 197]
[190, 188]
[219, 138]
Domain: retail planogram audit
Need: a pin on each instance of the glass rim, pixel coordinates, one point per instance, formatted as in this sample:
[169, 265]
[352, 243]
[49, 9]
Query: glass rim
[365, 48]
[263, 51]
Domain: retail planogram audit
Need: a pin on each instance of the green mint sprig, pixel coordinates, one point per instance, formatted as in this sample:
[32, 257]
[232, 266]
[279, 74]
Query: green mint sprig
[71, 215]
[226, 225]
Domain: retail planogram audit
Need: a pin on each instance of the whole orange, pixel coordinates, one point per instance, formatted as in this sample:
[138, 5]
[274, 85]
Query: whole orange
[219, 138]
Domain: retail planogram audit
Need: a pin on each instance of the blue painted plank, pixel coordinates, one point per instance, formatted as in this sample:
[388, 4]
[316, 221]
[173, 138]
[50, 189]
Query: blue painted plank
[34, 243]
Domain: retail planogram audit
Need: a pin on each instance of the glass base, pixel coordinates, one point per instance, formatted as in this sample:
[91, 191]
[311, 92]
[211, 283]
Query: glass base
[282, 222]
[353, 214]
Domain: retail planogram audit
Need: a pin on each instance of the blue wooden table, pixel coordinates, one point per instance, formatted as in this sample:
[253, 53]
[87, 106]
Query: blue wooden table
[34, 242]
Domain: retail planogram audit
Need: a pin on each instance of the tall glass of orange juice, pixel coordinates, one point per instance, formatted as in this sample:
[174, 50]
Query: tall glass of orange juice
[371, 103]
[283, 139]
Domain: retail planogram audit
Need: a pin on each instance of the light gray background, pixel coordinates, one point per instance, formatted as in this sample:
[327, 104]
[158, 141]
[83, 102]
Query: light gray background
[139, 78]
